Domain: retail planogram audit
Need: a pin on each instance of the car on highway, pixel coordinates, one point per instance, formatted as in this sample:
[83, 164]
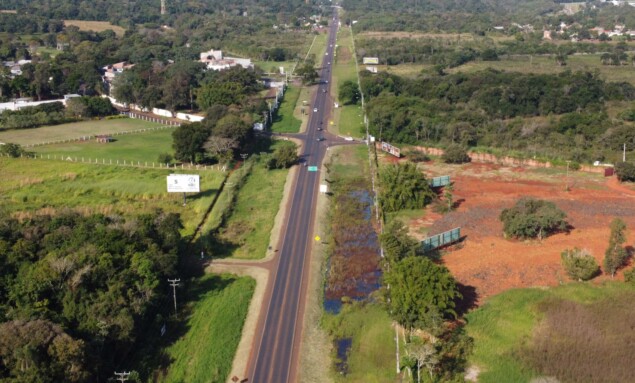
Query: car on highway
[320, 138]
[319, 129]
[314, 110]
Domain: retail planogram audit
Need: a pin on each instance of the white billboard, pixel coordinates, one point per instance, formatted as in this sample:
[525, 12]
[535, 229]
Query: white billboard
[370, 60]
[183, 183]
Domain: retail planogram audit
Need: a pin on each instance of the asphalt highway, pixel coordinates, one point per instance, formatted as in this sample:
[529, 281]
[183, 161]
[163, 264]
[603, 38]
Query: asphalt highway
[274, 357]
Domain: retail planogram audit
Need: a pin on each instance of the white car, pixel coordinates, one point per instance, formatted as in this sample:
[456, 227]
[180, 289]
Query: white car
[314, 110]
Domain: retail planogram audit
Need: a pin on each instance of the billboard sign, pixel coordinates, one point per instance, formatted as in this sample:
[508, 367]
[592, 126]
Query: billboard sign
[184, 183]
[370, 60]
[395, 151]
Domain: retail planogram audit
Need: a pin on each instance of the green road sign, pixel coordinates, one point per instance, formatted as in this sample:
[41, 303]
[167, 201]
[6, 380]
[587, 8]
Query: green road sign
[313, 168]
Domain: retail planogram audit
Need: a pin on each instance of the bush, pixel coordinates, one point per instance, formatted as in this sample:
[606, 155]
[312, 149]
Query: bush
[416, 156]
[629, 276]
[532, 218]
[12, 150]
[165, 158]
[283, 157]
[455, 154]
[580, 265]
[625, 171]
[404, 187]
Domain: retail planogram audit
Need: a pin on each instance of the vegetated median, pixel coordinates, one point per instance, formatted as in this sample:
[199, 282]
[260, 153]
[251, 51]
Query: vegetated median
[247, 229]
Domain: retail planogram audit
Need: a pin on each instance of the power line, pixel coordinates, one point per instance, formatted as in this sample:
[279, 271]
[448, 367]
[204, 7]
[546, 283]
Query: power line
[174, 283]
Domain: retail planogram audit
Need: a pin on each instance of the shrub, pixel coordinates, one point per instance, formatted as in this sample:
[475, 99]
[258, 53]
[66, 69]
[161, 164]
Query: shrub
[532, 218]
[417, 156]
[580, 265]
[625, 171]
[404, 187]
[165, 158]
[285, 156]
[12, 150]
[455, 154]
[629, 276]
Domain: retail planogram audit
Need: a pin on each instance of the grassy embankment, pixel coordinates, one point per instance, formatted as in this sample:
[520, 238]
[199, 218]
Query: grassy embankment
[575, 332]
[218, 309]
[347, 118]
[284, 119]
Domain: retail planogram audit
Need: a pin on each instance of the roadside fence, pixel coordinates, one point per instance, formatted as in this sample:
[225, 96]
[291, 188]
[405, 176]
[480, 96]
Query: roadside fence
[95, 136]
[118, 162]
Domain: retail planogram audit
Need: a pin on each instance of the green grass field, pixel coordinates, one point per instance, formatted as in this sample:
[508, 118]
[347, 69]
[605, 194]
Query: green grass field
[547, 64]
[30, 186]
[348, 119]
[73, 130]
[506, 323]
[274, 66]
[247, 232]
[205, 353]
[284, 120]
[371, 358]
[528, 64]
[143, 147]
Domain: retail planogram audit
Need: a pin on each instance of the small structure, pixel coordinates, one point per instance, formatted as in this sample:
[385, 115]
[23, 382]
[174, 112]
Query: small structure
[112, 71]
[104, 138]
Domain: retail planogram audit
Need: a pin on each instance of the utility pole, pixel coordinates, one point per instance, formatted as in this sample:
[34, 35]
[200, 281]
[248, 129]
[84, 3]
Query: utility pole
[244, 156]
[122, 376]
[567, 177]
[174, 283]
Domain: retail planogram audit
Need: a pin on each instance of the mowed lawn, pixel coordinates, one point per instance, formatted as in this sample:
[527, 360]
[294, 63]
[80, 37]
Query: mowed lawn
[516, 333]
[205, 353]
[73, 130]
[40, 186]
[138, 147]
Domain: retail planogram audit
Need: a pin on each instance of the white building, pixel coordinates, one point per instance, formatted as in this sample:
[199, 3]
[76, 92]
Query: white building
[214, 60]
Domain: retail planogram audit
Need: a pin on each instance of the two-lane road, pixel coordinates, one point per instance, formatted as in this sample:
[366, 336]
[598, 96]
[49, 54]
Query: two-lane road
[274, 357]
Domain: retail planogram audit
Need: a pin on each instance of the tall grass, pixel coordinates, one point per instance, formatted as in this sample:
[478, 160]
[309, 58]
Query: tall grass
[516, 338]
[206, 351]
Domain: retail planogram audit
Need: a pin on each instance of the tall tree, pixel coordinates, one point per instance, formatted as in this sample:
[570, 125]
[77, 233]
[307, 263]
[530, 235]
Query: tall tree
[419, 289]
[188, 141]
[615, 255]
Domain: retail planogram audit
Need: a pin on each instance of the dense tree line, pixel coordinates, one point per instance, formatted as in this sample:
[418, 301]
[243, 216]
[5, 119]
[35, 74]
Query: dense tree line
[33, 116]
[481, 109]
[76, 291]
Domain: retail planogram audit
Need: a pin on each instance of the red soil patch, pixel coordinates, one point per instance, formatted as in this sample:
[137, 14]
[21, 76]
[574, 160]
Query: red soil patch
[491, 263]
